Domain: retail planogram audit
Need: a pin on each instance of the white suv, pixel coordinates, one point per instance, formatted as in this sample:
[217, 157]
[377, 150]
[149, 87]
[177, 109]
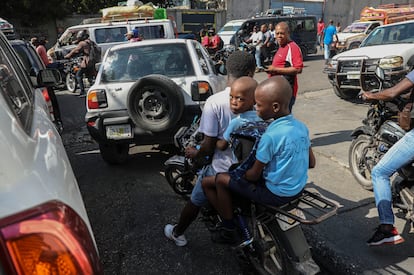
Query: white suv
[145, 91]
[44, 226]
[389, 46]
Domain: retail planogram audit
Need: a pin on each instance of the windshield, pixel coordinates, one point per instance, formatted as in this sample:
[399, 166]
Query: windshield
[356, 28]
[130, 64]
[230, 28]
[390, 34]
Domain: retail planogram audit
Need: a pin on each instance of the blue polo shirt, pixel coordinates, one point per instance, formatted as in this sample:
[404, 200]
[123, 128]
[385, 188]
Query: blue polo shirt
[330, 31]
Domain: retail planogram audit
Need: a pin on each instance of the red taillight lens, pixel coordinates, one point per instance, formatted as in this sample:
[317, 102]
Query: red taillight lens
[48, 239]
[45, 94]
[97, 99]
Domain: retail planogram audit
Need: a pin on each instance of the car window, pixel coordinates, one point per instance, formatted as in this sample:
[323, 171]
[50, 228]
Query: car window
[401, 33]
[15, 89]
[110, 35]
[202, 60]
[68, 37]
[150, 31]
[129, 64]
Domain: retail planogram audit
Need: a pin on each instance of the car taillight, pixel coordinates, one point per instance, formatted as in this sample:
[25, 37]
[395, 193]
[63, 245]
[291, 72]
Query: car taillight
[47, 239]
[97, 99]
[45, 95]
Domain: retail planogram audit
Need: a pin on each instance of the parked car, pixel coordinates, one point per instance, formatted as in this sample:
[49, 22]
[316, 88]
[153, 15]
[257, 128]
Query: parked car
[7, 29]
[144, 92]
[33, 64]
[109, 34]
[391, 46]
[353, 35]
[44, 227]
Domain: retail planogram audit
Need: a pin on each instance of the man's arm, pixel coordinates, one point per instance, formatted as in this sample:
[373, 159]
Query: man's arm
[207, 148]
[390, 93]
[222, 144]
[312, 159]
[254, 173]
[76, 50]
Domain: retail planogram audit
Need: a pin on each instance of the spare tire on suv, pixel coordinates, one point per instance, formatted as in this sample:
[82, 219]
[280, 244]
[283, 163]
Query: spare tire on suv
[155, 103]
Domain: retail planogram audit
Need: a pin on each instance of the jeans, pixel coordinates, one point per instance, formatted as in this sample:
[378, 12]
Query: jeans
[319, 42]
[399, 155]
[79, 79]
[327, 51]
[257, 55]
[198, 197]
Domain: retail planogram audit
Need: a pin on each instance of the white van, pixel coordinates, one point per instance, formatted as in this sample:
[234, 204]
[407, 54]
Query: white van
[229, 29]
[109, 34]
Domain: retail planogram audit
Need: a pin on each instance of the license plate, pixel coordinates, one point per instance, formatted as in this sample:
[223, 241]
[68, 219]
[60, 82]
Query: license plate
[119, 131]
[287, 223]
[353, 75]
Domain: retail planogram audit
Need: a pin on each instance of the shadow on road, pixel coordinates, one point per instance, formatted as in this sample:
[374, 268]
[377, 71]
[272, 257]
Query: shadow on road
[331, 138]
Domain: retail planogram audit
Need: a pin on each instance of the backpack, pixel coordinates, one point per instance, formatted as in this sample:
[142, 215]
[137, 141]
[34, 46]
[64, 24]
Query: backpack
[94, 53]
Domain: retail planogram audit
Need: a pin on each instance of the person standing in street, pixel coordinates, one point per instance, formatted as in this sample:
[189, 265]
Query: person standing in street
[329, 36]
[288, 59]
[320, 28]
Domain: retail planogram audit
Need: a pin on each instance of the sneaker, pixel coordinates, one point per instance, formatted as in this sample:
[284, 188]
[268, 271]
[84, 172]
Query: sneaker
[225, 235]
[169, 233]
[385, 237]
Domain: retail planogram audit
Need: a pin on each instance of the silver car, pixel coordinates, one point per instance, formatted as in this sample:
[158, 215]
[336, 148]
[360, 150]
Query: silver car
[44, 227]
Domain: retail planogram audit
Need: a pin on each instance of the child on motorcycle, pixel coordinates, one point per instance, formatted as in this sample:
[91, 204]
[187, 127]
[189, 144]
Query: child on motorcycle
[283, 157]
[242, 105]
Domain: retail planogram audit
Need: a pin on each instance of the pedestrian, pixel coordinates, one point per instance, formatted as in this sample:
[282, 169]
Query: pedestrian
[288, 60]
[329, 36]
[215, 118]
[256, 40]
[320, 28]
[338, 27]
[399, 155]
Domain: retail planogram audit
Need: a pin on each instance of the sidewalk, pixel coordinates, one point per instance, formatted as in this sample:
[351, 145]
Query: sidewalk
[340, 242]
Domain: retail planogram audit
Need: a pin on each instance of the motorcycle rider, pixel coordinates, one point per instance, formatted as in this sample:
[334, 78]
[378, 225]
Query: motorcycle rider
[400, 154]
[83, 47]
[215, 118]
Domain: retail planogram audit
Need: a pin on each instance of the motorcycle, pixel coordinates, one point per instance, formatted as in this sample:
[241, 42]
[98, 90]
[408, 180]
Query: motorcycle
[271, 238]
[380, 131]
[220, 58]
[71, 67]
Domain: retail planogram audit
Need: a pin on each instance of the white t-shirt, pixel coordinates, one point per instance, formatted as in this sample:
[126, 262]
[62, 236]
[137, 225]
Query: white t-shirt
[257, 38]
[214, 120]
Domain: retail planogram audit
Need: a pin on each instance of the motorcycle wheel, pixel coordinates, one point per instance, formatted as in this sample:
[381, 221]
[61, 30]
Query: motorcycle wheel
[268, 256]
[181, 179]
[71, 82]
[361, 160]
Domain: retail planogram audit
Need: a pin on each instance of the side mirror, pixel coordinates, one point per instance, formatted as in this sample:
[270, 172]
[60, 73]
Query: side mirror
[200, 90]
[48, 77]
[221, 68]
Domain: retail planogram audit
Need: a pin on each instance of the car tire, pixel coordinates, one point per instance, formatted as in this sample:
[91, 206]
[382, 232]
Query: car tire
[113, 153]
[71, 83]
[345, 93]
[155, 103]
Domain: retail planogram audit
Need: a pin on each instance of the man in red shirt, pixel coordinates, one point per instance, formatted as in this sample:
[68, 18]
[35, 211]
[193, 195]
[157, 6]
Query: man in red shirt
[215, 41]
[321, 27]
[288, 59]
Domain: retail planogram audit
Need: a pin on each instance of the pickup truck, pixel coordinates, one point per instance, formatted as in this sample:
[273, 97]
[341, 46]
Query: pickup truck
[352, 36]
[388, 46]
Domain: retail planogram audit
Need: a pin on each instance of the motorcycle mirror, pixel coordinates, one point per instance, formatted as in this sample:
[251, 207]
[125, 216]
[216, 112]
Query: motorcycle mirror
[379, 72]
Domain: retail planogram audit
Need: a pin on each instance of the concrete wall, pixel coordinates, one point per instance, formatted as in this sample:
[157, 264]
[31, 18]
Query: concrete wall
[347, 11]
[240, 9]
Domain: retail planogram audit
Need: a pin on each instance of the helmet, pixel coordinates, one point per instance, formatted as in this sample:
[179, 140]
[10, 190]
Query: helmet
[135, 33]
[82, 35]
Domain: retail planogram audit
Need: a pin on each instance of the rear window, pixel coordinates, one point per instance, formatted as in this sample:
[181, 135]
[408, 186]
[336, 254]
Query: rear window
[151, 31]
[110, 35]
[130, 64]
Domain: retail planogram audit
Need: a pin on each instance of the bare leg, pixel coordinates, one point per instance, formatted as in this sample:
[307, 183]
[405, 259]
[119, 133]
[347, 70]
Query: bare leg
[188, 215]
[209, 187]
[225, 206]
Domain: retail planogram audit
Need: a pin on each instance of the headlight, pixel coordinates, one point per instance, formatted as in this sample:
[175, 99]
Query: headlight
[391, 62]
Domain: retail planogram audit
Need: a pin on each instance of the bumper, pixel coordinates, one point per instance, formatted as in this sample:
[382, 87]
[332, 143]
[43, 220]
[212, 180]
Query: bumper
[98, 123]
[359, 74]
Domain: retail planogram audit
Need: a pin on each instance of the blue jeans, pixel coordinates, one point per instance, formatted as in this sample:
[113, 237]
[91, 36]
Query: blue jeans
[198, 197]
[79, 79]
[257, 54]
[399, 155]
[326, 51]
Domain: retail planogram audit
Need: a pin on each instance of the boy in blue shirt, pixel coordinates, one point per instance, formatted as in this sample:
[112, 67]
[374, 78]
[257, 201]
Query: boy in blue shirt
[283, 157]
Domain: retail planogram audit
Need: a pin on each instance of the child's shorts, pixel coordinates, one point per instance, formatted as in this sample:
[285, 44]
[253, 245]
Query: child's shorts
[258, 192]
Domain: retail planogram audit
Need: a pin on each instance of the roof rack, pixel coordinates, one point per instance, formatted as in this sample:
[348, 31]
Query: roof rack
[117, 18]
